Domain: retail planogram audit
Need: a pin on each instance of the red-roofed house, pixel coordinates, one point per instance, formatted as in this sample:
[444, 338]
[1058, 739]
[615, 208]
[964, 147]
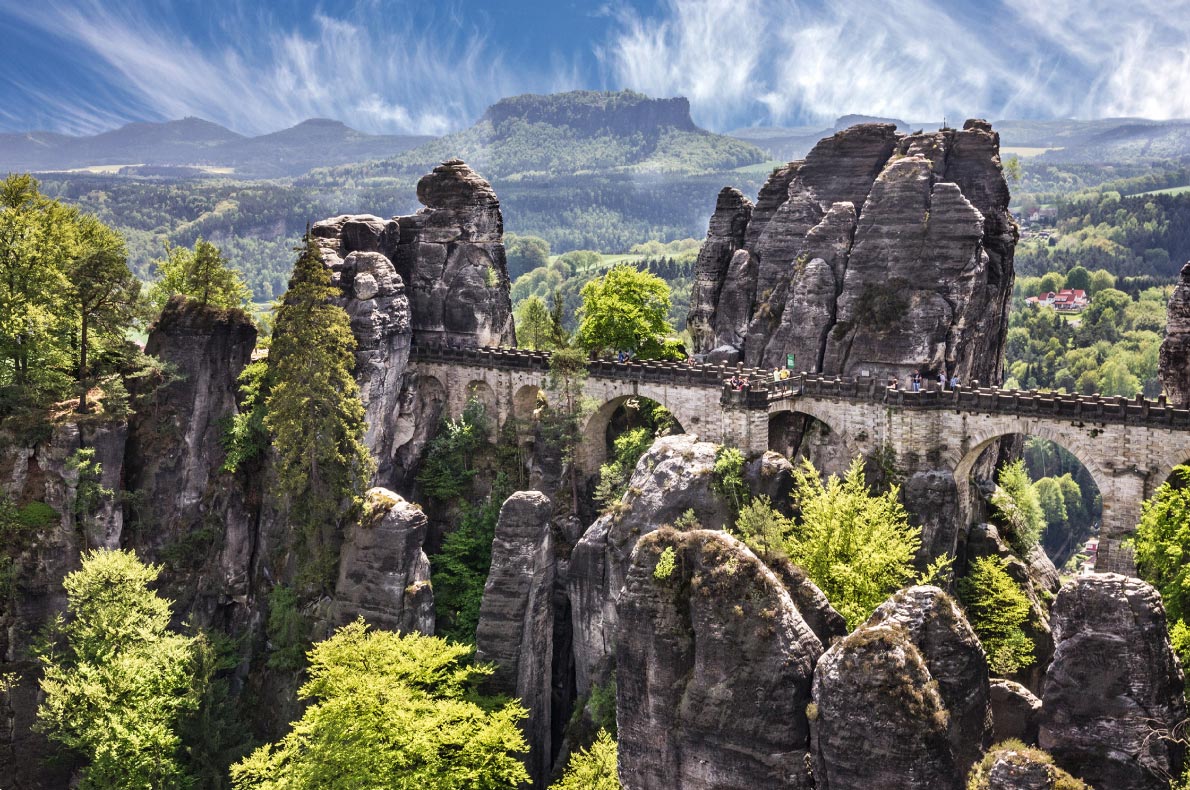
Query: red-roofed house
[1071, 300]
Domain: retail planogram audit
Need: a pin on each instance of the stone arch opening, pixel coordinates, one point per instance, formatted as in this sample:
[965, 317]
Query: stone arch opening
[525, 404]
[1069, 486]
[797, 435]
[613, 419]
[482, 393]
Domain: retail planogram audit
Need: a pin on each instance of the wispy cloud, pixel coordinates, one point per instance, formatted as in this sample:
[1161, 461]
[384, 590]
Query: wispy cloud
[368, 67]
[809, 61]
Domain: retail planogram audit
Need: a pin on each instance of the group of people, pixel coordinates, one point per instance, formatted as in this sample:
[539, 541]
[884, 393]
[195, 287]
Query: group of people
[915, 381]
[739, 384]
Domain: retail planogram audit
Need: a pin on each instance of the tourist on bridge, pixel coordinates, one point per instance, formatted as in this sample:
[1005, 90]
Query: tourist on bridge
[915, 381]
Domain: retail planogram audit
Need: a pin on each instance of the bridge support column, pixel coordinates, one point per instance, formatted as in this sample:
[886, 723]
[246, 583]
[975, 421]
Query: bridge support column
[1122, 496]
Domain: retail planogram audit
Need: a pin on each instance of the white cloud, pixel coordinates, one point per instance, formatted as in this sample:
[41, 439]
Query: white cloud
[809, 61]
[372, 71]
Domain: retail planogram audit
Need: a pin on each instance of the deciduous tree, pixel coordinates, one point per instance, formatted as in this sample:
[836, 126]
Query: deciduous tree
[624, 310]
[201, 274]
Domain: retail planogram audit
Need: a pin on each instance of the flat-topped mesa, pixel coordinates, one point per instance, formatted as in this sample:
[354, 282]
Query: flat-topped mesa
[879, 252]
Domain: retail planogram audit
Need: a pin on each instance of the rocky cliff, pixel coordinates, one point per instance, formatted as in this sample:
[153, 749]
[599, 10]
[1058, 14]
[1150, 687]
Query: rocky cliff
[879, 252]
[437, 277]
[1174, 363]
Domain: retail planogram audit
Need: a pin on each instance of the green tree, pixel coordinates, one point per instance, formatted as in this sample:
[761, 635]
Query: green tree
[313, 411]
[1102, 280]
[563, 423]
[1053, 502]
[594, 768]
[998, 609]
[392, 711]
[855, 545]
[625, 310]
[1012, 169]
[1162, 543]
[103, 294]
[1017, 503]
[525, 253]
[1079, 279]
[627, 449]
[538, 327]
[460, 569]
[119, 688]
[201, 274]
[448, 466]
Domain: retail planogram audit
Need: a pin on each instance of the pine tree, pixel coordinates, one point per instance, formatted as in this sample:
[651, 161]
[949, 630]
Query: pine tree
[202, 274]
[313, 412]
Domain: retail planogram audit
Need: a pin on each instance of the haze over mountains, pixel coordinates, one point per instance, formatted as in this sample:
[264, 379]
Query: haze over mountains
[195, 143]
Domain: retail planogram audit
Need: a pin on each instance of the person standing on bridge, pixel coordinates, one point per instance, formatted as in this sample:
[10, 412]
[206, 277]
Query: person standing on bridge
[941, 380]
[915, 381]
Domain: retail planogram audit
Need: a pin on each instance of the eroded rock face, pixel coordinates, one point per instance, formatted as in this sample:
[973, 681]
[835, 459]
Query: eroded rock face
[516, 618]
[1016, 713]
[674, 476]
[724, 237]
[1174, 364]
[879, 252]
[879, 717]
[174, 449]
[438, 276]
[384, 575]
[713, 669]
[1113, 681]
[933, 622]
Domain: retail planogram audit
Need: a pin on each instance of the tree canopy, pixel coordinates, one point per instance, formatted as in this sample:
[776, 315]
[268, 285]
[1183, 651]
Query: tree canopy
[392, 711]
[856, 546]
[201, 274]
[117, 691]
[313, 411]
[624, 310]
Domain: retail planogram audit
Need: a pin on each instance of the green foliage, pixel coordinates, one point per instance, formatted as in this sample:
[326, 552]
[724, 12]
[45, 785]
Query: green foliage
[1017, 753]
[388, 710]
[245, 437]
[1162, 550]
[538, 327]
[90, 493]
[314, 414]
[592, 769]
[202, 274]
[997, 609]
[601, 705]
[286, 630]
[613, 476]
[1018, 505]
[856, 546]
[525, 253]
[940, 572]
[624, 310]
[561, 425]
[116, 692]
[728, 479]
[665, 564]
[460, 570]
[448, 462]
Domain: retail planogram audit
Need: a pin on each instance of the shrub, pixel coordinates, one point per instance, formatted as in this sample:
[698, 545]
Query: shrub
[997, 608]
[1018, 504]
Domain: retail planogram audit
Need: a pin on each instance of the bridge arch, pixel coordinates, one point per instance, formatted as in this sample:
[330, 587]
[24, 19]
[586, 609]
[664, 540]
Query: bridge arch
[593, 441]
[808, 431]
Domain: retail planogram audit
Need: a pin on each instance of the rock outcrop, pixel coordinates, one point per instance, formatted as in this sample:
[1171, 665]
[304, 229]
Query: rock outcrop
[1010, 767]
[438, 277]
[516, 618]
[1113, 685]
[879, 252]
[673, 476]
[933, 622]
[175, 454]
[1016, 713]
[1174, 362]
[713, 669]
[384, 575]
[879, 719]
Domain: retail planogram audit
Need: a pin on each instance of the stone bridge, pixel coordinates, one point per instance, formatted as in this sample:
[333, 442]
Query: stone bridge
[1129, 447]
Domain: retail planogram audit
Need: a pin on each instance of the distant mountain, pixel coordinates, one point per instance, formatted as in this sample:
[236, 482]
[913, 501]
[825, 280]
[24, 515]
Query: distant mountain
[193, 143]
[789, 143]
[1105, 141]
[580, 132]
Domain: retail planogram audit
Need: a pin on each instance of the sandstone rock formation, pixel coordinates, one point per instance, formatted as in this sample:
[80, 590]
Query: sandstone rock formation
[879, 252]
[933, 622]
[175, 451]
[1113, 682]
[1016, 713]
[879, 718]
[1010, 767]
[384, 575]
[516, 618]
[713, 669]
[1174, 364]
[673, 476]
[439, 277]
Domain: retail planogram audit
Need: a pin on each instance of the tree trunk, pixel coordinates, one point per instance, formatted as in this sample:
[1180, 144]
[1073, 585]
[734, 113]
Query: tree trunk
[83, 367]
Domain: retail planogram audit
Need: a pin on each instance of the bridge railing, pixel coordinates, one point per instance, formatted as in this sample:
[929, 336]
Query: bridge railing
[764, 392]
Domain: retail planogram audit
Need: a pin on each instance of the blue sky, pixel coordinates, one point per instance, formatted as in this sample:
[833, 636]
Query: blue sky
[82, 66]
